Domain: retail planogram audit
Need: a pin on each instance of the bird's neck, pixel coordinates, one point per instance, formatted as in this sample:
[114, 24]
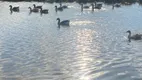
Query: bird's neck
[34, 6]
[92, 6]
[40, 9]
[56, 8]
[60, 4]
[58, 22]
[129, 36]
[95, 3]
[30, 8]
[10, 7]
[81, 7]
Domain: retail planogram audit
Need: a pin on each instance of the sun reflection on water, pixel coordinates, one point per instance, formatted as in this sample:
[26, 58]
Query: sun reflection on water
[84, 43]
[83, 22]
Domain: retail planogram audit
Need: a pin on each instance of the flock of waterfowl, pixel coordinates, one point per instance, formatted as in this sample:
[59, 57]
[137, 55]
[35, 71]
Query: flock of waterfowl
[35, 9]
[66, 22]
[61, 7]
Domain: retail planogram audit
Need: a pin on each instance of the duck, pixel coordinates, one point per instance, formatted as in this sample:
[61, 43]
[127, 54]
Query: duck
[44, 11]
[64, 22]
[16, 9]
[134, 37]
[37, 6]
[34, 9]
[58, 8]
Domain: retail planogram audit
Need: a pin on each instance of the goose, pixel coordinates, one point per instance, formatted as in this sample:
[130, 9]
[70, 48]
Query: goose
[85, 7]
[34, 9]
[63, 6]
[37, 6]
[16, 9]
[64, 22]
[134, 37]
[58, 8]
[98, 5]
[45, 11]
[92, 6]
[81, 7]
[117, 5]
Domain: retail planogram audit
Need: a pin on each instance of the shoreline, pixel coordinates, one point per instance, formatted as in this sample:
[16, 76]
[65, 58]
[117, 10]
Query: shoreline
[129, 2]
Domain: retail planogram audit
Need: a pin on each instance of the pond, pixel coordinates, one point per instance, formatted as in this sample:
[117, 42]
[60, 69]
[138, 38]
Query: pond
[93, 47]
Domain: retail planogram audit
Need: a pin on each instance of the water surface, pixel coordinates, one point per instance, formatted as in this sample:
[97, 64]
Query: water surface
[93, 47]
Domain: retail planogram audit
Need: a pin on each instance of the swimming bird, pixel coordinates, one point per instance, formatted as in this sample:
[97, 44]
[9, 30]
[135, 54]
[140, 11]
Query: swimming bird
[58, 8]
[37, 6]
[98, 5]
[34, 9]
[64, 6]
[84, 7]
[117, 5]
[64, 22]
[134, 37]
[43, 11]
[92, 7]
[16, 9]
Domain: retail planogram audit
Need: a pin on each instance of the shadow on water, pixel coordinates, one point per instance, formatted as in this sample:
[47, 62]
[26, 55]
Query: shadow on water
[64, 26]
[41, 14]
[11, 12]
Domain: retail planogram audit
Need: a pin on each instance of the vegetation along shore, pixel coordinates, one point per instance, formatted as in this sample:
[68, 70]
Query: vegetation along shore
[85, 1]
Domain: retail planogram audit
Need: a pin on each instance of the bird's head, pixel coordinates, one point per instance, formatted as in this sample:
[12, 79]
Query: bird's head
[58, 19]
[128, 31]
[10, 5]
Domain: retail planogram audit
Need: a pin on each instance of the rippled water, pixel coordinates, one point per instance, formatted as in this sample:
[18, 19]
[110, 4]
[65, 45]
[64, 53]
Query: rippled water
[93, 47]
